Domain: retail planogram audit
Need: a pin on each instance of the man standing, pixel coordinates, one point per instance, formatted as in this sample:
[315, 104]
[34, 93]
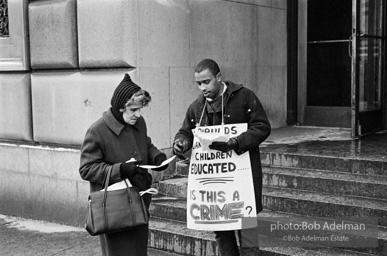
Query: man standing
[228, 103]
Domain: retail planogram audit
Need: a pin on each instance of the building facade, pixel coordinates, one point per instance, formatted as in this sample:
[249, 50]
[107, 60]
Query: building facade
[60, 61]
[311, 62]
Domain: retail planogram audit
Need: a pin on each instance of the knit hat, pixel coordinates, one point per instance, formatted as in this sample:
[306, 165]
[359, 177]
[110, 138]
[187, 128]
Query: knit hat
[121, 95]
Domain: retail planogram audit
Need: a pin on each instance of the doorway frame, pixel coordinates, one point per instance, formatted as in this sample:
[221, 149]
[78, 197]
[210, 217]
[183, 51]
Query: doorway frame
[366, 122]
[297, 78]
[292, 62]
[301, 60]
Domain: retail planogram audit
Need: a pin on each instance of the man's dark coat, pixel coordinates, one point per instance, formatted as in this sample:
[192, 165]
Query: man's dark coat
[241, 105]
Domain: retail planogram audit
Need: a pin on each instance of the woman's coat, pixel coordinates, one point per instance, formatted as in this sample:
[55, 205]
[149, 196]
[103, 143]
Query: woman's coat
[107, 144]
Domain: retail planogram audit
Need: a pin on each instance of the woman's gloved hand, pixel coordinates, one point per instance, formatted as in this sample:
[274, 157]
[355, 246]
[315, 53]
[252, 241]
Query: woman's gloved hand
[128, 170]
[141, 171]
[139, 181]
[143, 182]
[158, 160]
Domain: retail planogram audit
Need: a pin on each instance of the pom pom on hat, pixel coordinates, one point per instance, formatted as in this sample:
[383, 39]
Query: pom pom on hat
[123, 93]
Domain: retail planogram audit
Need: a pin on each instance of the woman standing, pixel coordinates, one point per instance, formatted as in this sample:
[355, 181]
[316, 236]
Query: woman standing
[119, 135]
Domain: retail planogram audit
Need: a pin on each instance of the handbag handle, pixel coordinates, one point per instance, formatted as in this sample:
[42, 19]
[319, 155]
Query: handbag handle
[127, 191]
[105, 196]
[151, 191]
[107, 179]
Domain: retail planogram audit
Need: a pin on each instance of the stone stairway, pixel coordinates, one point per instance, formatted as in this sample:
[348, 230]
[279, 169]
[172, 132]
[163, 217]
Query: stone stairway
[296, 185]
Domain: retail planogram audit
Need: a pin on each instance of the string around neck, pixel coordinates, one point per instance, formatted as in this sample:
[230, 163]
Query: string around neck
[204, 107]
[222, 110]
[201, 117]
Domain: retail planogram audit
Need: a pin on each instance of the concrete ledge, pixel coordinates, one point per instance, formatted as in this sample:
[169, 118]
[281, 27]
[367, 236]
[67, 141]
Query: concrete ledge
[42, 183]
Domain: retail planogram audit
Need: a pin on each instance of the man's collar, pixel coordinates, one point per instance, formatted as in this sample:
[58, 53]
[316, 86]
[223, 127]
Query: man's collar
[224, 90]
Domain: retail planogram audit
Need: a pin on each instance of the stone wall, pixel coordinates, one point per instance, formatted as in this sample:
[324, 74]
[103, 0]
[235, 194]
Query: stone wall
[79, 51]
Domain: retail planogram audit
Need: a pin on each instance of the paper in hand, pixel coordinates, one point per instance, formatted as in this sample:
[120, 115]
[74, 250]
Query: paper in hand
[206, 139]
[157, 166]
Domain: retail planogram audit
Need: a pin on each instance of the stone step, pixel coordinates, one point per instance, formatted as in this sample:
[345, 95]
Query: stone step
[175, 187]
[348, 164]
[175, 208]
[335, 183]
[309, 160]
[320, 204]
[158, 252]
[374, 236]
[175, 237]
[303, 202]
[168, 207]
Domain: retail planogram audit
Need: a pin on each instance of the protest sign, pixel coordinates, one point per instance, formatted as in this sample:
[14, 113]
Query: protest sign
[220, 185]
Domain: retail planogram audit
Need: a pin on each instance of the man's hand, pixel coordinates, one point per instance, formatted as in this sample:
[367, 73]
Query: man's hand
[231, 144]
[180, 147]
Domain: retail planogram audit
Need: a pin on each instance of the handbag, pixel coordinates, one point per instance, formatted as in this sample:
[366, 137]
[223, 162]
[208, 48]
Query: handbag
[111, 211]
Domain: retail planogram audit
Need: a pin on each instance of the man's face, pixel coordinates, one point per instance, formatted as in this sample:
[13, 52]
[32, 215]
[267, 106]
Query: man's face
[208, 84]
[132, 113]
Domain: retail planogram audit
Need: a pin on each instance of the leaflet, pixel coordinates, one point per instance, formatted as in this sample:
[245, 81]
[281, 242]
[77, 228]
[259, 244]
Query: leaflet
[157, 166]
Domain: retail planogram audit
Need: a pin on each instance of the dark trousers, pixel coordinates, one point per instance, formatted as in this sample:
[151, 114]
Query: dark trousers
[228, 245]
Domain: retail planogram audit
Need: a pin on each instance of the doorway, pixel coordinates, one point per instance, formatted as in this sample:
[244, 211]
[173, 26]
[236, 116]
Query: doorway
[337, 64]
[328, 70]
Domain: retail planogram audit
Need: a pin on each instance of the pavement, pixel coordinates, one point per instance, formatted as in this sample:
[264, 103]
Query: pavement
[26, 237]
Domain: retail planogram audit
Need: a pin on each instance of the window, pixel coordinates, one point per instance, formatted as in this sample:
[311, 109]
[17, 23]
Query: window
[4, 28]
[14, 54]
